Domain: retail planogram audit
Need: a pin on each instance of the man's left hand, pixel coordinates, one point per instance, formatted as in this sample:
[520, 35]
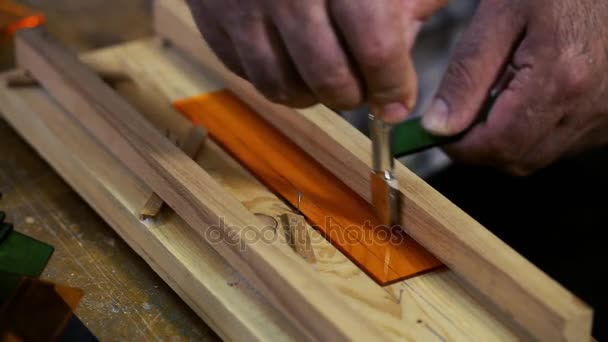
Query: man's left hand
[557, 103]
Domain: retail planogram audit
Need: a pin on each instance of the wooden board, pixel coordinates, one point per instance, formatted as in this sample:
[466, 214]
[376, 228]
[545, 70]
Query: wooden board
[340, 214]
[515, 287]
[432, 307]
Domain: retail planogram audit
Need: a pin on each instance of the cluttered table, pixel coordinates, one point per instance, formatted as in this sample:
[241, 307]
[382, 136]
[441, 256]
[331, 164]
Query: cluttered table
[124, 299]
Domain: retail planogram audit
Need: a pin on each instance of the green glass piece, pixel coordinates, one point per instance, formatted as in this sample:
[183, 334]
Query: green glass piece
[24, 255]
[410, 137]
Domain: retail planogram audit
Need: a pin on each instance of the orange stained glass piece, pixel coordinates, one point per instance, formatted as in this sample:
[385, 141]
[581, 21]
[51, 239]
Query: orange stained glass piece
[27, 22]
[341, 215]
[15, 16]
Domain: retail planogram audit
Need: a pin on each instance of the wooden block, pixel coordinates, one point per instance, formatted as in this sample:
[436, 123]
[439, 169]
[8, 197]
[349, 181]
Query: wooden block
[517, 288]
[190, 146]
[297, 236]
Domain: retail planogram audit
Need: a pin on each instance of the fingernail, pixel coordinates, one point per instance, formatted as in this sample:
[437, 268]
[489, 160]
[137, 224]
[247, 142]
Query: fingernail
[436, 118]
[394, 113]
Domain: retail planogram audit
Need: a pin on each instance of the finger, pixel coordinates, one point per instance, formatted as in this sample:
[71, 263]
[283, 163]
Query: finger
[477, 62]
[522, 118]
[376, 35]
[314, 46]
[265, 59]
[216, 37]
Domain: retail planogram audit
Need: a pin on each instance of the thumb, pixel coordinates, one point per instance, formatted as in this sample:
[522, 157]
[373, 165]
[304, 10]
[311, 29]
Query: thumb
[478, 60]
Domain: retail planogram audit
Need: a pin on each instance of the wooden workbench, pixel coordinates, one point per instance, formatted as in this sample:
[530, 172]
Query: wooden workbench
[124, 299]
[432, 288]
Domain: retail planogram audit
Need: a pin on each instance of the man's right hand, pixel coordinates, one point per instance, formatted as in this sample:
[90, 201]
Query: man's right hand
[336, 52]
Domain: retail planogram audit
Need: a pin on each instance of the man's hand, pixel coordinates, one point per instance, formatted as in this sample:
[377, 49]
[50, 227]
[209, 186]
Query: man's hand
[337, 52]
[557, 103]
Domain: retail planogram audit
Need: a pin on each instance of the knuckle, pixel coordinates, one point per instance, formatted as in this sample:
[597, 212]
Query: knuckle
[338, 89]
[380, 52]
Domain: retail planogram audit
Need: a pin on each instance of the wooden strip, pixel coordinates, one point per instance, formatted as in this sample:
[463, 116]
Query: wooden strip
[516, 287]
[23, 79]
[340, 214]
[289, 284]
[190, 146]
[297, 236]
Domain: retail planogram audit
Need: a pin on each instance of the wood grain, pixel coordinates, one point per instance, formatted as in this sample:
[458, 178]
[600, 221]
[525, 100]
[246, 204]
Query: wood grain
[290, 285]
[431, 307]
[190, 146]
[516, 287]
[340, 214]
